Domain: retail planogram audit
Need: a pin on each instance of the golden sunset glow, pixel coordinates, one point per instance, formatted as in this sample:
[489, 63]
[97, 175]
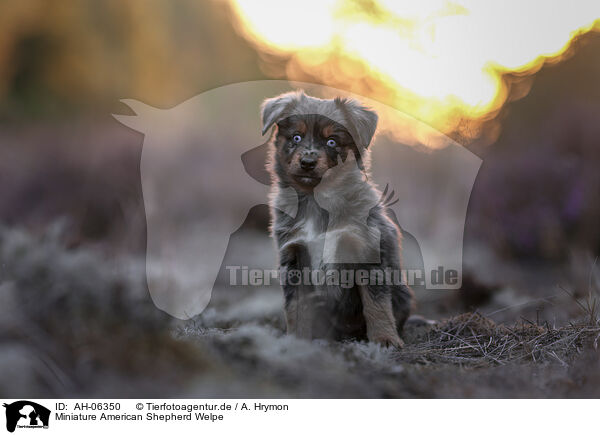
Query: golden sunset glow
[439, 61]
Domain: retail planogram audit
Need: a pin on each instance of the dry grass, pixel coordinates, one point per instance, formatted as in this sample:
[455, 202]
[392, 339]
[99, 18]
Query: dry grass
[473, 340]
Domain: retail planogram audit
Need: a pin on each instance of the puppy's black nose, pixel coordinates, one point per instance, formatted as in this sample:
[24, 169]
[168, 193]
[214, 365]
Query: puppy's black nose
[308, 163]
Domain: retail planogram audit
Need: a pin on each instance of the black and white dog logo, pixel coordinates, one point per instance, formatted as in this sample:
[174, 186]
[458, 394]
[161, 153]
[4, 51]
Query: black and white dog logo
[26, 414]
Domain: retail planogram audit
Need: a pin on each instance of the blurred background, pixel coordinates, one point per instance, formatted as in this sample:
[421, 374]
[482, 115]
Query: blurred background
[516, 84]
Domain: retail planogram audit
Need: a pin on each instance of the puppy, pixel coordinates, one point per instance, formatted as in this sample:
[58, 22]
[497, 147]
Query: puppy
[329, 221]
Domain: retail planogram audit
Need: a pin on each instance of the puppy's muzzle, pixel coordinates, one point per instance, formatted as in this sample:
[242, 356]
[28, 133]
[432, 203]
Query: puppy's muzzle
[308, 163]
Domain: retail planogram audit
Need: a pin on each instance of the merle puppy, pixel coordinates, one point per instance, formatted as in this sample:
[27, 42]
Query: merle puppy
[329, 222]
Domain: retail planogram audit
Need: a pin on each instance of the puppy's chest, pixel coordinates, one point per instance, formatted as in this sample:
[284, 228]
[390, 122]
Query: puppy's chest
[309, 227]
[322, 235]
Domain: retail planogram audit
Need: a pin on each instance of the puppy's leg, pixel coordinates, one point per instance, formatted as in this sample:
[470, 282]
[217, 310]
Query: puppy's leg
[299, 310]
[291, 306]
[299, 313]
[403, 303]
[379, 317]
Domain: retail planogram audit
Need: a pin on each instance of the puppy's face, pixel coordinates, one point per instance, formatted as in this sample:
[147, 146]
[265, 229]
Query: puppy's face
[307, 146]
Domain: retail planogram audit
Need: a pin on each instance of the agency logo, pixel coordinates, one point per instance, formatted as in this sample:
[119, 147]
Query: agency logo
[24, 414]
[204, 169]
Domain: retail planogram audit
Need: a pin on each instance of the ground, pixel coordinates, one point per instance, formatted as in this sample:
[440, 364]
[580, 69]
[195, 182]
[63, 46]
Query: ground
[77, 322]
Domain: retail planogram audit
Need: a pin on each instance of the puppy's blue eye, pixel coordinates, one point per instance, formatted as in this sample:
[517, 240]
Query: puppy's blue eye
[297, 138]
[331, 143]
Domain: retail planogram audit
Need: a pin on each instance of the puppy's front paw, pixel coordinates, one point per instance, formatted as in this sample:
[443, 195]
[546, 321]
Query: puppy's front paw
[388, 340]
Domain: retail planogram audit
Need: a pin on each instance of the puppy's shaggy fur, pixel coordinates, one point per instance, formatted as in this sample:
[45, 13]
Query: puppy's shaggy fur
[327, 216]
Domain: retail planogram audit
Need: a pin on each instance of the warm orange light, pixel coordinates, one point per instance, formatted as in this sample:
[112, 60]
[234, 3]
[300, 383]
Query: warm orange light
[439, 61]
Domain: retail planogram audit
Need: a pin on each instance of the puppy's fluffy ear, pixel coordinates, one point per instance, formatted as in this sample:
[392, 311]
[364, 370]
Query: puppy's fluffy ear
[273, 109]
[362, 120]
